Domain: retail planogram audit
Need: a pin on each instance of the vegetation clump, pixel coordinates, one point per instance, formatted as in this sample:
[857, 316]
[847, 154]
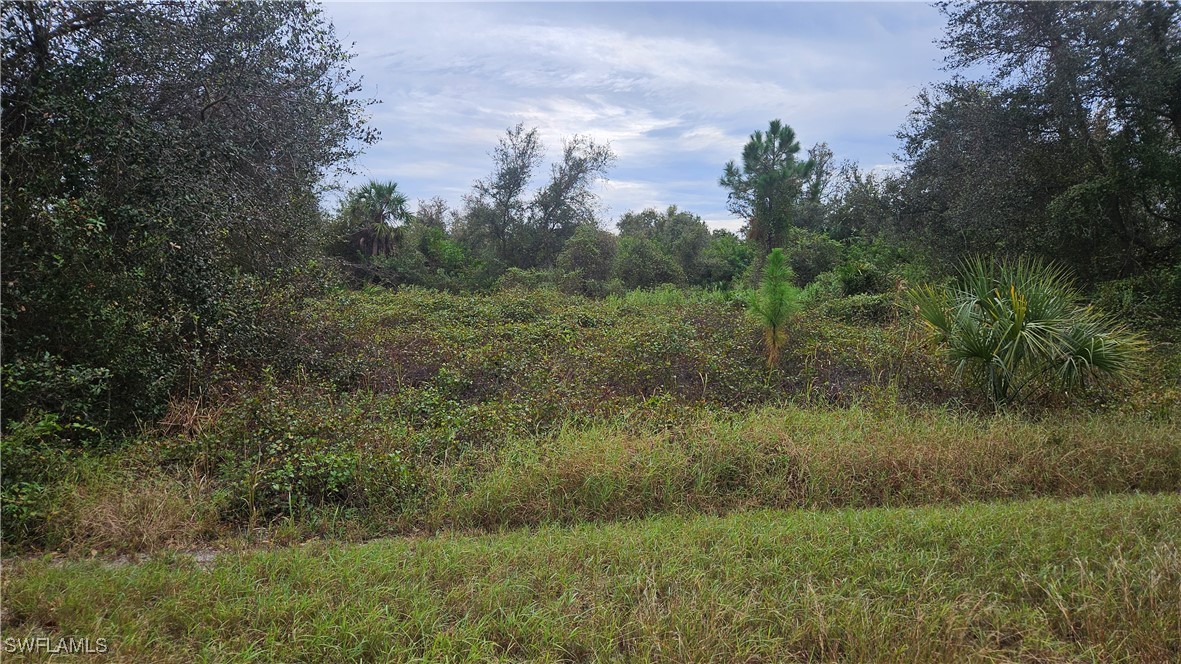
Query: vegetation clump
[774, 303]
[1016, 327]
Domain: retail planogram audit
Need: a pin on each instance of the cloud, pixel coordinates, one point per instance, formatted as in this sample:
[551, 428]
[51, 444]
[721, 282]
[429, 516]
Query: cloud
[675, 89]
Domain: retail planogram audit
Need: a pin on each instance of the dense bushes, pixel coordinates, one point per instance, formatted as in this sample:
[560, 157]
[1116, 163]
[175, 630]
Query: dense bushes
[144, 209]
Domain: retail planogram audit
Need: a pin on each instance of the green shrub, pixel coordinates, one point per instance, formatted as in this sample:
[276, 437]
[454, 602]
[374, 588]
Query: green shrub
[860, 277]
[287, 449]
[862, 309]
[811, 254]
[1151, 301]
[37, 457]
[826, 286]
[1017, 327]
[642, 263]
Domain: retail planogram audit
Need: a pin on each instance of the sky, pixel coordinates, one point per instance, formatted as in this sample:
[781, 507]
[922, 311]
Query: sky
[675, 88]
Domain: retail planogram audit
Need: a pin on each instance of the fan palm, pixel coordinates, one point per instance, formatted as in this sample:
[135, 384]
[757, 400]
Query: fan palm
[377, 209]
[1016, 326]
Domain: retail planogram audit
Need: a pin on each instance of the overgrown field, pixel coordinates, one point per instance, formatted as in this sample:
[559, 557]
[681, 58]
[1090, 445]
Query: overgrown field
[565, 478]
[386, 412]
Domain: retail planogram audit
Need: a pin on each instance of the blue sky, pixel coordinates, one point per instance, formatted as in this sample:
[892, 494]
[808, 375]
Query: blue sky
[675, 88]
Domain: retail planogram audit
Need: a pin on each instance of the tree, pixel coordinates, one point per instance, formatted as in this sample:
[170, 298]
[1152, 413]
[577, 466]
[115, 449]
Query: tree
[865, 205]
[641, 263]
[371, 217]
[766, 189]
[590, 252]
[525, 232]
[1071, 145]
[1016, 327]
[434, 213]
[816, 202]
[567, 201]
[724, 259]
[680, 234]
[161, 164]
[496, 208]
[774, 304]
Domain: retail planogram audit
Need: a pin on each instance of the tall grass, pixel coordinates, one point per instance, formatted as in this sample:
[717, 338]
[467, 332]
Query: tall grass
[809, 458]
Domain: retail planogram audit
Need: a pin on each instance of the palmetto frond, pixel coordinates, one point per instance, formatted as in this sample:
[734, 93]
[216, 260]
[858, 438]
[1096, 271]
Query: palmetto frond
[1010, 325]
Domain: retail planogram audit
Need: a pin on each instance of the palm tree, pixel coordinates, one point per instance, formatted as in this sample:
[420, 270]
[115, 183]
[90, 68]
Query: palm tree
[373, 215]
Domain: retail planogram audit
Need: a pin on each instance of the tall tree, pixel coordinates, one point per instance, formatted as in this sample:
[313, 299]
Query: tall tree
[497, 206]
[1072, 140]
[768, 185]
[568, 201]
[528, 231]
[161, 162]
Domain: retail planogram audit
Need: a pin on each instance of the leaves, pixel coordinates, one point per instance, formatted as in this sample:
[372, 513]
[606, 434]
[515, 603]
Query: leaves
[774, 304]
[1015, 326]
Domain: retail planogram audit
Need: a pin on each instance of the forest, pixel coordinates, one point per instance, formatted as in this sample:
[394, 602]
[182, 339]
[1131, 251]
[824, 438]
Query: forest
[929, 414]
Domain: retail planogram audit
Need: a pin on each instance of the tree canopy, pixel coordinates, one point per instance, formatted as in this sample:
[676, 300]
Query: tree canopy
[157, 158]
[1069, 145]
[769, 184]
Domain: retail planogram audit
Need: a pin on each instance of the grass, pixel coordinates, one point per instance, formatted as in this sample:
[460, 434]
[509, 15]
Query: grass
[1094, 579]
[706, 462]
[575, 480]
[812, 458]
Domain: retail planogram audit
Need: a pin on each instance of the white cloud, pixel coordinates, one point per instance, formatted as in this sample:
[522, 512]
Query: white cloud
[675, 90]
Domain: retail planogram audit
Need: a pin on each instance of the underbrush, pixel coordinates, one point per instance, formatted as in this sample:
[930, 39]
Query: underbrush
[810, 458]
[415, 409]
[354, 468]
[1096, 579]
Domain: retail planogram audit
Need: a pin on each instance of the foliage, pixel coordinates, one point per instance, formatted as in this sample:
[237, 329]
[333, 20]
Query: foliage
[863, 309]
[370, 220]
[725, 259]
[811, 459]
[642, 263]
[1068, 145]
[587, 260]
[680, 234]
[1016, 327]
[153, 171]
[501, 224]
[1149, 301]
[35, 452]
[768, 186]
[861, 277]
[774, 304]
[810, 254]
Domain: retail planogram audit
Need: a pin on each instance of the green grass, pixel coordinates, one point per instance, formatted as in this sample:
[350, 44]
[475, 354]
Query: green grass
[813, 458]
[1095, 579]
[628, 467]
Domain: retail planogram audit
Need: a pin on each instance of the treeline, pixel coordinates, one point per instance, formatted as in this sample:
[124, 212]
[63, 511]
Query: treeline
[162, 164]
[509, 232]
[1067, 146]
